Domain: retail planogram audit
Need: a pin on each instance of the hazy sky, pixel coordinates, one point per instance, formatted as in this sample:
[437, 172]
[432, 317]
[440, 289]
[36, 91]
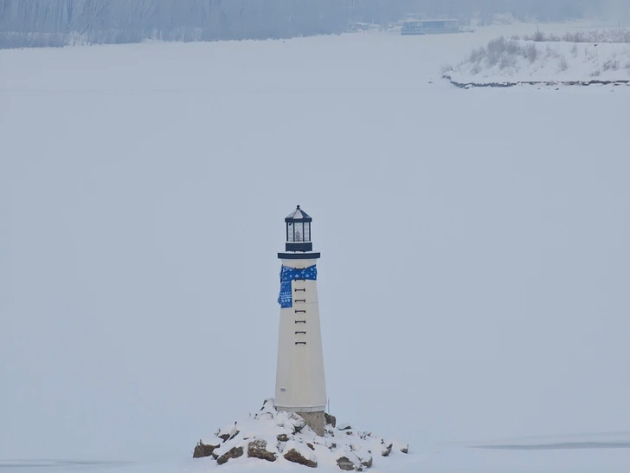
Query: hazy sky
[474, 272]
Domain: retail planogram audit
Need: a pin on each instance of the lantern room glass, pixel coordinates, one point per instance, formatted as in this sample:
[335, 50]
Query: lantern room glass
[307, 231]
[290, 233]
[298, 232]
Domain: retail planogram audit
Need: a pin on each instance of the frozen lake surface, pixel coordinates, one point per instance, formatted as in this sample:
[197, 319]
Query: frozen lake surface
[560, 446]
[77, 466]
[570, 457]
[474, 250]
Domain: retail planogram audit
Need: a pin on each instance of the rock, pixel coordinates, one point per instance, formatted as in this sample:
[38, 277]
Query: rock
[298, 423]
[268, 405]
[367, 462]
[258, 449]
[224, 437]
[405, 448]
[345, 427]
[202, 450]
[345, 464]
[282, 438]
[330, 420]
[310, 445]
[232, 453]
[236, 432]
[387, 450]
[296, 457]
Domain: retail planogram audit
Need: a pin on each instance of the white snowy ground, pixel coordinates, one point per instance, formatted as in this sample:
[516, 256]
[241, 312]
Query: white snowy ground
[143, 190]
[437, 458]
[529, 61]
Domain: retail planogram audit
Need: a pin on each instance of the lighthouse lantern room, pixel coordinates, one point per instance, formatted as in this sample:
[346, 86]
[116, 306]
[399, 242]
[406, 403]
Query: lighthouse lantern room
[299, 231]
[300, 382]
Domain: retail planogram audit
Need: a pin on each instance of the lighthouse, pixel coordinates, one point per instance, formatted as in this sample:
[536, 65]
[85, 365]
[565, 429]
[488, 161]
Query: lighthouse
[300, 383]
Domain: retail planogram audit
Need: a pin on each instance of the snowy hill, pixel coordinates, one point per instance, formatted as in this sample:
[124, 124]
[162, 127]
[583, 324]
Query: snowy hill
[596, 57]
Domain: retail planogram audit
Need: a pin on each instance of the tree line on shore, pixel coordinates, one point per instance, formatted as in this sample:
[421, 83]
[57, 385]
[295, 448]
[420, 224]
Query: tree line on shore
[61, 22]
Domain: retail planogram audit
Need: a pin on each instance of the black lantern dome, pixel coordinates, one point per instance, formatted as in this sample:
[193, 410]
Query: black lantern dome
[298, 225]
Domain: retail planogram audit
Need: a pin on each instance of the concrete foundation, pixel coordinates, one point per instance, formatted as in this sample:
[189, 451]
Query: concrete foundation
[315, 420]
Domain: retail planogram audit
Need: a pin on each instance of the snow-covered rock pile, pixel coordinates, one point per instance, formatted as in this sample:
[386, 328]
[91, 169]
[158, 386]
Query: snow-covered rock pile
[275, 436]
[515, 61]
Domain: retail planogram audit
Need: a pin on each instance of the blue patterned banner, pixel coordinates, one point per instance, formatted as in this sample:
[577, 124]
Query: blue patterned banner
[285, 299]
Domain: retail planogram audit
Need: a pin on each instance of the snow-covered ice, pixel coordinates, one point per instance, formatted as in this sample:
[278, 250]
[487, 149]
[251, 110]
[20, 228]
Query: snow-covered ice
[474, 249]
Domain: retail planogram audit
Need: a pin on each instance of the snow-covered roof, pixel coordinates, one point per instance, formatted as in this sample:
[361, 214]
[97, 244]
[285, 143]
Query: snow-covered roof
[298, 214]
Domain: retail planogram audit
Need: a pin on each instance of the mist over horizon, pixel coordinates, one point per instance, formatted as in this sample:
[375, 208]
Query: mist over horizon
[28, 23]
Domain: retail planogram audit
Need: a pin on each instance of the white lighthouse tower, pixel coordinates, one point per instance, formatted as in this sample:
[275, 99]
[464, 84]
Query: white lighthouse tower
[300, 383]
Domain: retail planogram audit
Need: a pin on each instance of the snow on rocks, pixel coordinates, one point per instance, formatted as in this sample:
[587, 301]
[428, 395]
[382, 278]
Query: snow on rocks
[298, 452]
[274, 436]
[233, 452]
[203, 450]
[258, 449]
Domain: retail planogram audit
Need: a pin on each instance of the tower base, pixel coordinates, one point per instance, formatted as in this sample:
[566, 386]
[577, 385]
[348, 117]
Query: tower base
[315, 420]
